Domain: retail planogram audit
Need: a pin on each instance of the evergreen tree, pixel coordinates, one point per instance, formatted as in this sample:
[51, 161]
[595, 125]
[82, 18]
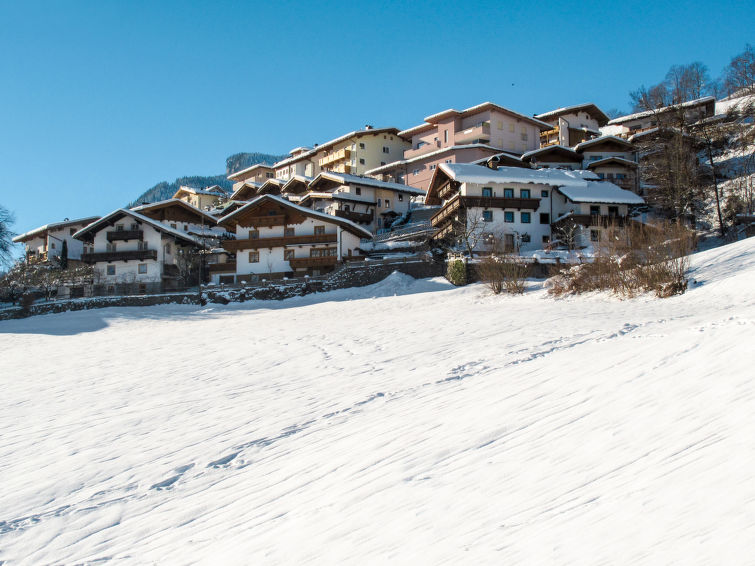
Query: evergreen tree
[64, 255]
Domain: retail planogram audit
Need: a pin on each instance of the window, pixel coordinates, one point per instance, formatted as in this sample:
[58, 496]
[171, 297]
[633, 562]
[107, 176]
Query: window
[134, 226]
[110, 246]
[111, 270]
[346, 207]
[601, 175]
[358, 190]
[545, 218]
[361, 161]
[141, 245]
[361, 145]
[269, 175]
[322, 252]
[524, 193]
[508, 193]
[500, 124]
[52, 245]
[487, 215]
[526, 217]
[432, 167]
[288, 254]
[142, 268]
[449, 160]
[613, 211]
[594, 235]
[524, 136]
[544, 194]
[621, 175]
[186, 227]
[380, 203]
[382, 163]
[387, 203]
[508, 216]
[254, 234]
[512, 128]
[526, 239]
[386, 149]
[167, 248]
[254, 257]
[400, 197]
[594, 210]
[415, 172]
[119, 227]
[445, 136]
[173, 226]
[596, 157]
[319, 230]
[487, 191]
[546, 239]
[288, 231]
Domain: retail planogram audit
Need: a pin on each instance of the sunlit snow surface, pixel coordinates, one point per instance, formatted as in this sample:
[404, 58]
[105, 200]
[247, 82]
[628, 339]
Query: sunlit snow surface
[409, 422]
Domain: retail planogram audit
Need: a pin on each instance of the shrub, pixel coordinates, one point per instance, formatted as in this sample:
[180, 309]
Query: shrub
[457, 272]
[502, 273]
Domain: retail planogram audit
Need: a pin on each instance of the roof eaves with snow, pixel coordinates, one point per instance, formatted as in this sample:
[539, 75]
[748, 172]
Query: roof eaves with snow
[157, 225]
[550, 148]
[239, 175]
[581, 146]
[646, 113]
[488, 106]
[479, 174]
[54, 226]
[348, 179]
[177, 202]
[600, 192]
[393, 164]
[602, 116]
[606, 160]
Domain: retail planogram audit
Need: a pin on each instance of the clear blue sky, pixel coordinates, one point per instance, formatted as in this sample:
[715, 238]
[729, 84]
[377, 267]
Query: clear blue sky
[101, 100]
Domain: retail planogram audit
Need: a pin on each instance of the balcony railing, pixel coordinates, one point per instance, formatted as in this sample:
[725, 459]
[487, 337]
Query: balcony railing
[266, 221]
[340, 155]
[480, 132]
[427, 148]
[361, 217]
[257, 243]
[228, 267]
[119, 256]
[301, 262]
[450, 208]
[125, 235]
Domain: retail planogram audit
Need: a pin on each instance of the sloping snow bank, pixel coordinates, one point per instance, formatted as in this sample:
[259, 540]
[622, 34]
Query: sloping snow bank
[408, 422]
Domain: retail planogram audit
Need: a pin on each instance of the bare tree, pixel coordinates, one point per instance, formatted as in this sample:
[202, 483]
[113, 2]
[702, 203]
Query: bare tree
[6, 236]
[739, 75]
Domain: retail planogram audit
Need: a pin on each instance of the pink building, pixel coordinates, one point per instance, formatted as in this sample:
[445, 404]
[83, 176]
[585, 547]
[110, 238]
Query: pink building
[454, 136]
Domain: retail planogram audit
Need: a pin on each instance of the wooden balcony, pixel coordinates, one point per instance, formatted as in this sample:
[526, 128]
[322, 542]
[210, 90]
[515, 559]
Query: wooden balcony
[304, 262]
[340, 155]
[125, 235]
[228, 267]
[266, 221]
[257, 243]
[340, 168]
[138, 255]
[360, 217]
[452, 206]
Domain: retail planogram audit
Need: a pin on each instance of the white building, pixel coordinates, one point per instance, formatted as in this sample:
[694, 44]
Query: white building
[572, 124]
[692, 111]
[522, 207]
[276, 238]
[46, 242]
[127, 247]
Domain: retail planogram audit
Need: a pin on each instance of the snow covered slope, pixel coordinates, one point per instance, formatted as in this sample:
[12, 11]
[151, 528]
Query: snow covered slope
[409, 422]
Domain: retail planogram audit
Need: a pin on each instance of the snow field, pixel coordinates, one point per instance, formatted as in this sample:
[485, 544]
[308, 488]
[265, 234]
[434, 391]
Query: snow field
[409, 421]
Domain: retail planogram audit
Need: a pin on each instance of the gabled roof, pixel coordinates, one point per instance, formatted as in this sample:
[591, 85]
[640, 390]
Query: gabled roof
[603, 139]
[345, 224]
[271, 185]
[607, 160]
[245, 173]
[347, 179]
[600, 192]
[111, 218]
[247, 187]
[394, 164]
[638, 115]
[54, 226]
[296, 180]
[214, 190]
[552, 149]
[589, 107]
[174, 202]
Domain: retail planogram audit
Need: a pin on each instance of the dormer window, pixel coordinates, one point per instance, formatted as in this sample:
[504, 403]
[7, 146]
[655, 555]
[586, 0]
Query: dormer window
[119, 227]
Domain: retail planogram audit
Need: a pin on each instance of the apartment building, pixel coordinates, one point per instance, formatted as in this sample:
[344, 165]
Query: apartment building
[276, 238]
[46, 242]
[353, 153]
[258, 174]
[572, 124]
[455, 136]
[523, 207]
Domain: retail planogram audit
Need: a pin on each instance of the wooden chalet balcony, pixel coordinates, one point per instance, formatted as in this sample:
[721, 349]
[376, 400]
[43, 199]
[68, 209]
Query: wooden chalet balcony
[361, 217]
[256, 243]
[549, 137]
[228, 267]
[340, 155]
[340, 168]
[480, 132]
[265, 221]
[599, 220]
[137, 255]
[125, 235]
[627, 184]
[427, 148]
[303, 262]
[452, 206]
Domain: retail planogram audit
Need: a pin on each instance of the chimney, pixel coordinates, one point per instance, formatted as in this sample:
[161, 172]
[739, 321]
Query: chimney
[368, 127]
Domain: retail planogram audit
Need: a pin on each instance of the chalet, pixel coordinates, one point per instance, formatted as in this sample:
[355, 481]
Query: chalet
[611, 158]
[276, 238]
[461, 136]
[245, 191]
[128, 247]
[519, 205]
[369, 202]
[572, 124]
[258, 173]
[554, 156]
[201, 198]
[182, 216]
[46, 242]
[687, 112]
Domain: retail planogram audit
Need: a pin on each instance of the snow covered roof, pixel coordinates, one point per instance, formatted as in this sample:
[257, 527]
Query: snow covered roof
[646, 113]
[347, 224]
[393, 164]
[347, 179]
[551, 148]
[478, 174]
[54, 226]
[244, 173]
[174, 202]
[214, 190]
[589, 107]
[607, 160]
[246, 186]
[105, 221]
[328, 144]
[602, 139]
[486, 106]
[600, 192]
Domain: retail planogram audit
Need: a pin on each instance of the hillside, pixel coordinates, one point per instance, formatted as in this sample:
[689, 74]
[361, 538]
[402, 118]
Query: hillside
[235, 162]
[408, 422]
